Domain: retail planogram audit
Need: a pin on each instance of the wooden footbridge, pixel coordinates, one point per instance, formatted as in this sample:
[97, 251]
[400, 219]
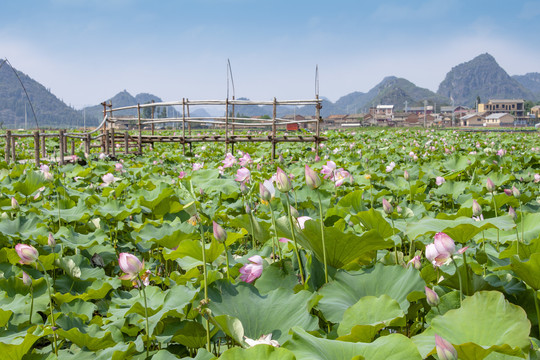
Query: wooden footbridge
[113, 141]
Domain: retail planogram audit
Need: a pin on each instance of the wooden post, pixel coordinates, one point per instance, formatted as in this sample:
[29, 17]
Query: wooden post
[184, 126]
[8, 145]
[13, 154]
[189, 123]
[126, 142]
[72, 147]
[113, 145]
[232, 144]
[62, 149]
[36, 147]
[43, 148]
[274, 115]
[226, 125]
[318, 107]
[153, 109]
[88, 144]
[107, 147]
[140, 128]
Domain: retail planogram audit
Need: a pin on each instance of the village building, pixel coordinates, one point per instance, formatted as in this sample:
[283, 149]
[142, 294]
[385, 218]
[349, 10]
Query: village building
[472, 120]
[515, 107]
[499, 119]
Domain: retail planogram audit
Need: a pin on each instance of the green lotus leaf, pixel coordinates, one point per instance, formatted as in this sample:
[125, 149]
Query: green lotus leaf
[231, 326]
[374, 220]
[80, 308]
[153, 198]
[191, 250]
[277, 275]
[115, 209]
[90, 336]
[24, 227]
[80, 212]
[391, 347]
[15, 300]
[275, 312]
[457, 163]
[531, 229]
[208, 180]
[168, 235]
[71, 289]
[14, 345]
[461, 229]
[528, 271]
[525, 250]
[258, 352]
[79, 267]
[120, 351]
[485, 323]
[454, 188]
[33, 180]
[192, 335]
[349, 287]
[341, 248]
[202, 354]
[373, 312]
[75, 240]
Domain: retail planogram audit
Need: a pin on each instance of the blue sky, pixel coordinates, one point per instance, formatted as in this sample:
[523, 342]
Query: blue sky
[86, 51]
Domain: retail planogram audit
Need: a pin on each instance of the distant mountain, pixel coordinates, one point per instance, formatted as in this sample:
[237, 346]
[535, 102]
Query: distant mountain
[94, 114]
[482, 77]
[530, 81]
[50, 111]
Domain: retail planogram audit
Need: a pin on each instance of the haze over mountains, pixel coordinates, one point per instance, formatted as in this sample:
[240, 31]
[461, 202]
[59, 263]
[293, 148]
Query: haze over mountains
[480, 77]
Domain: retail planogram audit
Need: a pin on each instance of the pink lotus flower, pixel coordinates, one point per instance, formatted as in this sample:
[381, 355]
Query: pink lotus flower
[229, 161]
[416, 262]
[445, 350]
[536, 178]
[432, 297]
[51, 241]
[267, 190]
[245, 159]
[328, 170]
[253, 270]
[27, 253]
[302, 221]
[312, 179]
[390, 167]
[264, 339]
[27, 280]
[387, 207]
[219, 233]
[102, 156]
[108, 179]
[181, 174]
[118, 167]
[197, 166]
[242, 175]
[439, 180]
[283, 182]
[130, 265]
[442, 249]
[342, 175]
[490, 186]
[14, 203]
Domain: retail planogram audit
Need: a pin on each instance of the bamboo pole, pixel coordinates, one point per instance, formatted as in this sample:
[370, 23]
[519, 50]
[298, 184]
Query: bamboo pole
[113, 145]
[13, 152]
[140, 128]
[152, 124]
[43, 146]
[8, 146]
[274, 115]
[107, 147]
[36, 148]
[318, 107]
[72, 147]
[189, 117]
[87, 144]
[226, 126]
[126, 143]
[62, 144]
[184, 126]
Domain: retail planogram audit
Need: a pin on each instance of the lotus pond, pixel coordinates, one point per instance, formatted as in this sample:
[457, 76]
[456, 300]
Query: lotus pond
[393, 244]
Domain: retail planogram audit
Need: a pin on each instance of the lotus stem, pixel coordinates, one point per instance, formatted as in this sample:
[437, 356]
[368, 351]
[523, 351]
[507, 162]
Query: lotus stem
[275, 231]
[146, 317]
[31, 303]
[395, 246]
[227, 260]
[460, 284]
[302, 279]
[323, 238]
[522, 222]
[205, 279]
[53, 323]
[466, 273]
[535, 294]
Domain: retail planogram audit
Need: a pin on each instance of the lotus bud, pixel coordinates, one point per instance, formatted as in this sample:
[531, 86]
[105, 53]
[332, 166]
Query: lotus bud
[444, 243]
[432, 297]
[512, 213]
[264, 192]
[312, 179]
[445, 350]
[416, 262]
[27, 253]
[516, 192]
[130, 265]
[27, 280]
[243, 188]
[219, 233]
[508, 192]
[248, 208]
[387, 207]
[476, 208]
[294, 212]
[283, 182]
[51, 241]
[490, 186]
[14, 203]
[406, 175]
[439, 180]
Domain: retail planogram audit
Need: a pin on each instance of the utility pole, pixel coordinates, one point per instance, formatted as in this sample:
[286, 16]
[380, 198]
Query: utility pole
[425, 105]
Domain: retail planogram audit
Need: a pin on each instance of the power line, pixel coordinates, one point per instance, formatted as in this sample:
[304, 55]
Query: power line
[24, 88]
